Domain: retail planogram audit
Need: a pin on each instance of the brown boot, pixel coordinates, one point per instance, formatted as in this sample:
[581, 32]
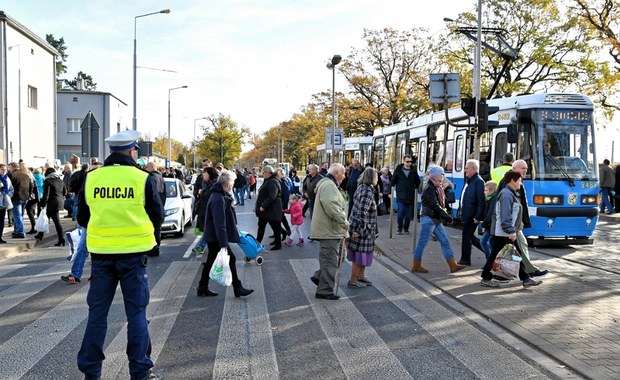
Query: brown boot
[417, 267]
[454, 267]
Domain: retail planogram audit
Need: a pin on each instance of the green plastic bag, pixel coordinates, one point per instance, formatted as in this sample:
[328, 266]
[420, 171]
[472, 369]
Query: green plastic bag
[197, 231]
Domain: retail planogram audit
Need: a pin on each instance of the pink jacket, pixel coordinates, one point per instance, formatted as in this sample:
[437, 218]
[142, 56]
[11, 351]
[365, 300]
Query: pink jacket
[295, 209]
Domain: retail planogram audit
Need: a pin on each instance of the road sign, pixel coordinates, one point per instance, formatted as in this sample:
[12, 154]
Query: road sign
[445, 87]
[338, 139]
[90, 136]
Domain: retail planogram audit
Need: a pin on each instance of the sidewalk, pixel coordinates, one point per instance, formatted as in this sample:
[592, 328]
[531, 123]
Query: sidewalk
[572, 316]
[16, 246]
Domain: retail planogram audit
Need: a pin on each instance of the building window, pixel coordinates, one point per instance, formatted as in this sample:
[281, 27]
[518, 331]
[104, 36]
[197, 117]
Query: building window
[32, 97]
[73, 125]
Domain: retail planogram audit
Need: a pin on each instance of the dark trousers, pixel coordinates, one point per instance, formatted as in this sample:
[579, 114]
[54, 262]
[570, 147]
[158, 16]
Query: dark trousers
[275, 226]
[55, 217]
[2, 215]
[30, 206]
[285, 225]
[469, 239]
[213, 249]
[498, 242]
[105, 276]
[405, 214]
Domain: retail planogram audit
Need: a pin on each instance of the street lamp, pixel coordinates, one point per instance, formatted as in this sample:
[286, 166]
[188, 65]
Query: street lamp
[195, 120]
[332, 66]
[169, 140]
[19, 96]
[135, 64]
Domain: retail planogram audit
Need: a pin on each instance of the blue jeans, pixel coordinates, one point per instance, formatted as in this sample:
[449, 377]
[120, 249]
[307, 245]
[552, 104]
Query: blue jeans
[75, 206]
[405, 214]
[485, 242]
[428, 228]
[106, 274]
[239, 196]
[202, 243]
[77, 269]
[246, 190]
[18, 217]
[605, 202]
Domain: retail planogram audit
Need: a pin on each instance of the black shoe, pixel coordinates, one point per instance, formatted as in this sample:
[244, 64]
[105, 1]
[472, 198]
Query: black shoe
[332, 297]
[71, 279]
[200, 292]
[32, 231]
[242, 292]
[501, 279]
[314, 280]
[539, 273]
[463, 262]
[272, 236]
[39, 236]
[276, 247]
[60, 243]
[153, 253]
[2, 241]
[273, 243]
[18, 236]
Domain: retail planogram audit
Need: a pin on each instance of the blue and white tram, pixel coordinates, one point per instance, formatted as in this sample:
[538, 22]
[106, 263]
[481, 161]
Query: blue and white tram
[354, 148]
[553, 133]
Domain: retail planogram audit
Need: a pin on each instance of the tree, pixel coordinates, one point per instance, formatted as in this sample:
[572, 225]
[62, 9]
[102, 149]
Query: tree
[59, 45]
[222, 140]
[89, 85]
[160, 146]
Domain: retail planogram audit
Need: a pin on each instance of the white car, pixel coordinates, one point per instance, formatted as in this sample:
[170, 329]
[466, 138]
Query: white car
[178, 208]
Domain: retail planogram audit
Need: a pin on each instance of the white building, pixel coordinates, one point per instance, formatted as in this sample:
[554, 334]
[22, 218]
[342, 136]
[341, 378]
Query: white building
[27, 95]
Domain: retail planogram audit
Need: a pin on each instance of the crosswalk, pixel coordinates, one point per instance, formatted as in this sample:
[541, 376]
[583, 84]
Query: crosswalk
[391, 330]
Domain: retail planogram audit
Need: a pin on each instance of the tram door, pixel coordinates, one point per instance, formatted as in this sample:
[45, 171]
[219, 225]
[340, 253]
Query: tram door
[499, 147]
[423, 156]
[458, 167]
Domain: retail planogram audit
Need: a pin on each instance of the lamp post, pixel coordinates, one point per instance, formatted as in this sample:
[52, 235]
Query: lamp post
[19, 97]
[135, 63]
[332, 66]
[195, 120]
[169, 140]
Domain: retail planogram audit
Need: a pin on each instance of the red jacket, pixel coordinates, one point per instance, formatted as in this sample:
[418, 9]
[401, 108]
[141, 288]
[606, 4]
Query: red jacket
[295, 210]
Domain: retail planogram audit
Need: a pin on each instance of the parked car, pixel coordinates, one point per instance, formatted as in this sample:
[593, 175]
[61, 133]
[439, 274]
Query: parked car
[178, 207]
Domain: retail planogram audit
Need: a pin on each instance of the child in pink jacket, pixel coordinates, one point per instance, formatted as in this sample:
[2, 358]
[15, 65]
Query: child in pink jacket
[297, 219]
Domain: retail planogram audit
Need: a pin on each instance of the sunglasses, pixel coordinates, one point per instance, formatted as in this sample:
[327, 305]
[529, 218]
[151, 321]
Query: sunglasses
[407, 162]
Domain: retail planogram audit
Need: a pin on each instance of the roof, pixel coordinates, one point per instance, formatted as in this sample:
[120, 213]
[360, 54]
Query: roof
[87, 92]
[28, 33]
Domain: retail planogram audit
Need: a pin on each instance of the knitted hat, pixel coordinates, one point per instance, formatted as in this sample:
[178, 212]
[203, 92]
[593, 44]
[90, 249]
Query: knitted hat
[435, 171]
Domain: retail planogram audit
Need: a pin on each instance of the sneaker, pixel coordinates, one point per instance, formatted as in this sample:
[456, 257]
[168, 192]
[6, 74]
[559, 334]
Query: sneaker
[288, 242]
[71, 279]
[489, 283]
[399, 232]
[531, 282]
[153, 376]
[539, 273]
[406, 232]
[198, 250]
[300, 242]
[501, 279]
[355, 285]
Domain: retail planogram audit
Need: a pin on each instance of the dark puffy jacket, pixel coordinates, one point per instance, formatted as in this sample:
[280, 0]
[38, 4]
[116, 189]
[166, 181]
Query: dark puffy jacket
[489, 210]
[200, 206]
[54, 193]
[286, 193]
[405, 185]
[220, 218]
[472, 204]
[270, 199]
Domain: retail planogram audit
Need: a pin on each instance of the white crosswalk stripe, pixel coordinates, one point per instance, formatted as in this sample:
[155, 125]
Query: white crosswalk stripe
[247, 341]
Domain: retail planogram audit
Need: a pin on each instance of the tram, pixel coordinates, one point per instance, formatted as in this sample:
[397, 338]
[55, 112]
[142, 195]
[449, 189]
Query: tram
[553, 133]
[354, 148]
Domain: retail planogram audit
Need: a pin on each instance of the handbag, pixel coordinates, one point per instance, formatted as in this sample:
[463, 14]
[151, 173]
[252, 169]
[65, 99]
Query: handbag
[5, 202]
[507, 262]
[381, 208]
[43, 224]
[220, 271]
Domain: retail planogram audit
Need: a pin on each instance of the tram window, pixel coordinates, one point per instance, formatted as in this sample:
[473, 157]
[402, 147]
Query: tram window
[422, 160]
[379, 151]
[449, 156]
[437, 153]
[460, 153]
[389, 151]
[501, 144]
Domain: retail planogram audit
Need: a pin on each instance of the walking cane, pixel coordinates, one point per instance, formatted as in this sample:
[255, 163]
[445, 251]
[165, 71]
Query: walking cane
[342, 250]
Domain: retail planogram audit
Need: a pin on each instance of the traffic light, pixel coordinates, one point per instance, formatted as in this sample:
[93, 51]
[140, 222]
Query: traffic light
[468, 106]
[484, 124]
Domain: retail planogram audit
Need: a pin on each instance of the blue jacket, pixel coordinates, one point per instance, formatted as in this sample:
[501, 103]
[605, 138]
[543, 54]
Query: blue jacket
[220, 218]
[472, 204]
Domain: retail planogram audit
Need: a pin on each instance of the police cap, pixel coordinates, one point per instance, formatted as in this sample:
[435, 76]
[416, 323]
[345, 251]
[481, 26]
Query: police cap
[123, 140]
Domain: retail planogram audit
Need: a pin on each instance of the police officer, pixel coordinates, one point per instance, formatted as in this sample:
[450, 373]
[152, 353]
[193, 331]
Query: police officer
[121, 208]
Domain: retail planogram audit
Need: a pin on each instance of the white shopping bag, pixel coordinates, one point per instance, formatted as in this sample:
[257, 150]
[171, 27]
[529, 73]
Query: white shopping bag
[73, 238]
[220, 271]
[43, 224]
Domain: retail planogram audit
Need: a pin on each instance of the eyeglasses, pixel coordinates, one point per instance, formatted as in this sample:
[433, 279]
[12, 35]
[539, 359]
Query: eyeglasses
[407, 162]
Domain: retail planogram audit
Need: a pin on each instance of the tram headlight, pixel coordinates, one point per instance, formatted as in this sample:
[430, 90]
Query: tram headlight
[549, 200]
[589, 200]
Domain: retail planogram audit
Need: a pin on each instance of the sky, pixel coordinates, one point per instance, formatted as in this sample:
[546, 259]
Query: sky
[257, 61]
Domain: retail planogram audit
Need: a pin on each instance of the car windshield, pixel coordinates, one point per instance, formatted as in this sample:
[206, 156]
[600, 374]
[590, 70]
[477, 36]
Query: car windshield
[171, 190]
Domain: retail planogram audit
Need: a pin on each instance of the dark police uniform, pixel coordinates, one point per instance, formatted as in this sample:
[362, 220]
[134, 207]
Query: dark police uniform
[121, 208]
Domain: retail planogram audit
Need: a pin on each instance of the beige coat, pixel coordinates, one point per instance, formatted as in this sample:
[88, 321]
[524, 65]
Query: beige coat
[329, 218]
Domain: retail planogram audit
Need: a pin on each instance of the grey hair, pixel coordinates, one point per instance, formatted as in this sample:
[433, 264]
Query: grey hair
[369, 176]
[226, 177]
[474, 163]
[268, 168]
[335, 169]
[518, 164]
[313, 166]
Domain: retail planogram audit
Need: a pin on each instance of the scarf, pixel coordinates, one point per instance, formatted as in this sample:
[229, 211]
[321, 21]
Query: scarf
[5, 184]
[441, 195]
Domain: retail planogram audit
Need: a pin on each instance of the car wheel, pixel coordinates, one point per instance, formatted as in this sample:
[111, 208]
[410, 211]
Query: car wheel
[182, 230]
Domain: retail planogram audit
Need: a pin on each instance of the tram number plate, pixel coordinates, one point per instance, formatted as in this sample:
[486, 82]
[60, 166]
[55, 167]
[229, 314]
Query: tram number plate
[589, 185]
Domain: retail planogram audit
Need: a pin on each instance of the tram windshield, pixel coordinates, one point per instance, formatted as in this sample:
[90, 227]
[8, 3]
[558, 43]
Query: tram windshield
[564, 140]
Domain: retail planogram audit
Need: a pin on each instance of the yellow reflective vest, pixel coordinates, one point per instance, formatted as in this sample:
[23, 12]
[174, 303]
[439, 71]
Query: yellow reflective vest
[118, 221]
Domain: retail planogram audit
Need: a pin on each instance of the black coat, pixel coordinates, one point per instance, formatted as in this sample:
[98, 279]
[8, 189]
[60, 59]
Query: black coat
[270, 199]
[431, 206]
[220, 218]
[54, 193]
[405, 185]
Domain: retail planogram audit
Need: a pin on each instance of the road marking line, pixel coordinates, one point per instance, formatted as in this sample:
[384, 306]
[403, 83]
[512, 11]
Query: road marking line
[188, 253]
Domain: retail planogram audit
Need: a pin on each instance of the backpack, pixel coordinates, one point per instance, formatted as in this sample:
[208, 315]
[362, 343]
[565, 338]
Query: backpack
[252, 179]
